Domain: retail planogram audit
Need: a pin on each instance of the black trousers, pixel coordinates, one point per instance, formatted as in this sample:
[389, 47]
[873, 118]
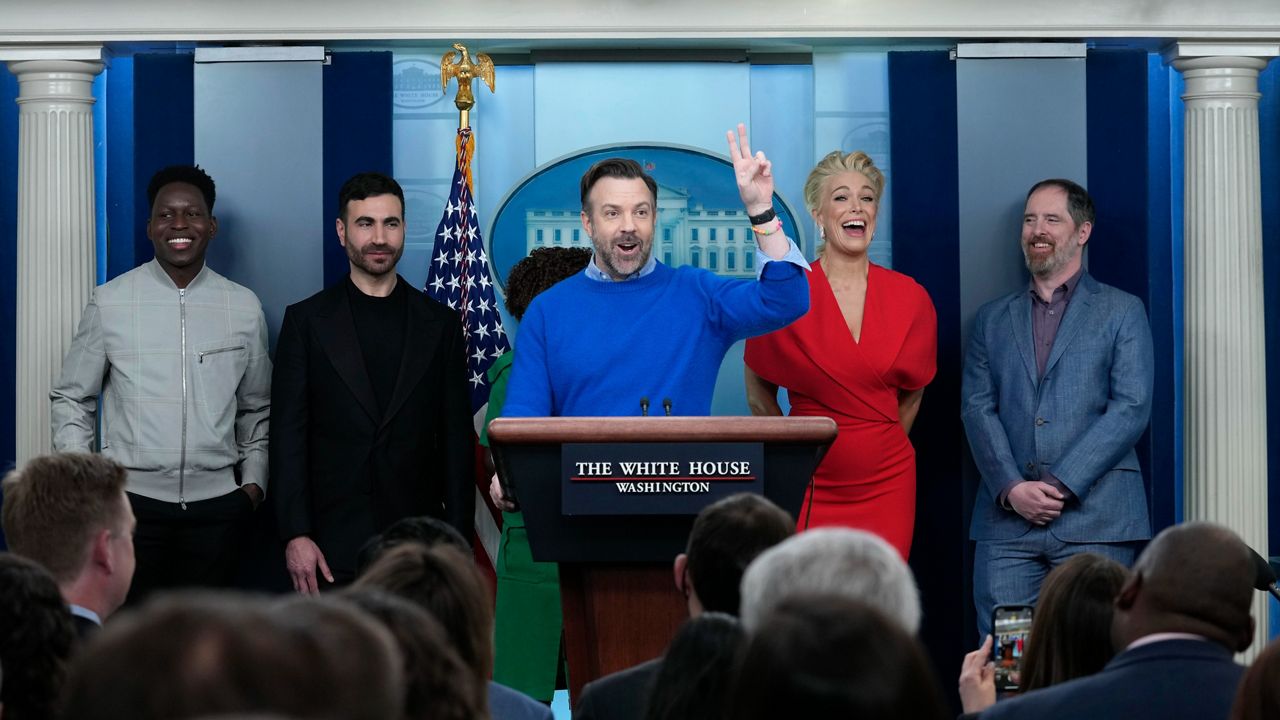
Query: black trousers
[196, 547]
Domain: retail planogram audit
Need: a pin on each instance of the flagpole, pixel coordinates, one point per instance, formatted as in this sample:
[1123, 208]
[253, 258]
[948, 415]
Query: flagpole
[459, 278]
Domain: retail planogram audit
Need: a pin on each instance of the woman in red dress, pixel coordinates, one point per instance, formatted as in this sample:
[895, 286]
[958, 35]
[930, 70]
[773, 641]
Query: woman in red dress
[861, 356]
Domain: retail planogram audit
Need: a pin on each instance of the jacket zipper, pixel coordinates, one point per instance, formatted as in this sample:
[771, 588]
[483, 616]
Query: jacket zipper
[215, 351]
[182, 458]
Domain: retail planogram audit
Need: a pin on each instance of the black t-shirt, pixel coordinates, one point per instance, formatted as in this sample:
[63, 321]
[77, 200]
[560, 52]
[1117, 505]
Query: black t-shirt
[380, 326]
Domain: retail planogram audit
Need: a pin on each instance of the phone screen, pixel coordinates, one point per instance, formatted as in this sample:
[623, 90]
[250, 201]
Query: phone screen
[1011, 624]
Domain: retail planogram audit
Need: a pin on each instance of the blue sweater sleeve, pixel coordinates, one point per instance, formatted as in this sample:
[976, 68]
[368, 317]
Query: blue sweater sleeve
[743, 308]
[529, 392]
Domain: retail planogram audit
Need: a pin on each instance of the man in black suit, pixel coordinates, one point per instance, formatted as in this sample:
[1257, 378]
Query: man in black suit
[726, 536]
[69, 513]
[371, 420]
[1177, 622]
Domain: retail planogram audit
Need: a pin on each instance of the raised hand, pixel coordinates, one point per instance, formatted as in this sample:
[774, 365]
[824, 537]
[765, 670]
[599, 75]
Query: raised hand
[754, 173]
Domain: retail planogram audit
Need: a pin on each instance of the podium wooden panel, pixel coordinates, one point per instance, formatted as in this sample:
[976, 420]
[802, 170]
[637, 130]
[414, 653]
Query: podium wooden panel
[618, 594]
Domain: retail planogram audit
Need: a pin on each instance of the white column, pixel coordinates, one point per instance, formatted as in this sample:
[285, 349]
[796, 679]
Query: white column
[1224, 380]
[56, 222]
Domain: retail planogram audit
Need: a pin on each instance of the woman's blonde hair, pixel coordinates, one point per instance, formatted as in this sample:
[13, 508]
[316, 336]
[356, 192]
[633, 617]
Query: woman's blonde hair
[833, 164]
[837, 162]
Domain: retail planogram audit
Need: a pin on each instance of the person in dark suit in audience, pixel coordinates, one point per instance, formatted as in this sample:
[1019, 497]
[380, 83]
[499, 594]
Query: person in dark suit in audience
[693, 680]
[1178, 620]
[726, 536]
[70, 514]
[371, 418]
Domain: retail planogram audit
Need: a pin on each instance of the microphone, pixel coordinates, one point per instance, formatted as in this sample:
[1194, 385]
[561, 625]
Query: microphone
[666, 406]
[1265, 575]
[644, 406]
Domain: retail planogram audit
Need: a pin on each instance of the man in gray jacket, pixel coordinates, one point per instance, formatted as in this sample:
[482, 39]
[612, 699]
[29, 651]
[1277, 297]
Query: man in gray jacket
[179, 356]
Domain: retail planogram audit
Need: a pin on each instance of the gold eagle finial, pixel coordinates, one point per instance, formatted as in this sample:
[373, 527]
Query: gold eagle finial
[465, 70]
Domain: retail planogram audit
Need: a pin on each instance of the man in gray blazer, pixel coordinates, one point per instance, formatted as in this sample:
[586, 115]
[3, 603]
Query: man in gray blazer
[1056, 391]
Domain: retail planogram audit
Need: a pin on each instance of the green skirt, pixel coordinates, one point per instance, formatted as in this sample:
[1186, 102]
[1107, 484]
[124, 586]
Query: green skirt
[527, 623]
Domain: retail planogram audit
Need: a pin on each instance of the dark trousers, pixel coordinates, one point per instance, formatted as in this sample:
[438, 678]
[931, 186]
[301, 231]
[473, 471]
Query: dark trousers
[196, 547]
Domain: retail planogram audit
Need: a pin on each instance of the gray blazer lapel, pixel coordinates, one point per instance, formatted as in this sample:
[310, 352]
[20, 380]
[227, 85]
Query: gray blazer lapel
[1020, 325]
[1079, 310]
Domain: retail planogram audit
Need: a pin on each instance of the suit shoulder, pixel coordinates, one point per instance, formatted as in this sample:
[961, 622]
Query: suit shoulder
[316, 301]
[1117, 296]
[996, 305]
[433, 307]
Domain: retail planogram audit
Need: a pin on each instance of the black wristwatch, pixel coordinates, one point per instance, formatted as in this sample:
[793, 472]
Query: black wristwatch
[763, 217]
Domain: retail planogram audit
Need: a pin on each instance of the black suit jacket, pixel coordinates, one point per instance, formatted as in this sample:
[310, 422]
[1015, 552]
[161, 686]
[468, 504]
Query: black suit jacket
[623, 695]
[1168, 680]
[340, 470]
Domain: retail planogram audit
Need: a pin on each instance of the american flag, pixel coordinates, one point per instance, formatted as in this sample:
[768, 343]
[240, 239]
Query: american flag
[459, 278]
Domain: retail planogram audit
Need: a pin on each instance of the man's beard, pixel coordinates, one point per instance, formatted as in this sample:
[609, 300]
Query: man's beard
[358, 259]
[1046, 266]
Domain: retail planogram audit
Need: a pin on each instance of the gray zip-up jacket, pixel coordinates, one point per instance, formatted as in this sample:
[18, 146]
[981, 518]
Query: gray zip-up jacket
[185, 380]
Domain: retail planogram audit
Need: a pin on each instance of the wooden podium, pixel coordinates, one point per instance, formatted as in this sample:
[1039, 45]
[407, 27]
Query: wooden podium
[618, 594]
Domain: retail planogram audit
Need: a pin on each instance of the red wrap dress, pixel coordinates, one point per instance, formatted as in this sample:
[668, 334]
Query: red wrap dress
[868, 478]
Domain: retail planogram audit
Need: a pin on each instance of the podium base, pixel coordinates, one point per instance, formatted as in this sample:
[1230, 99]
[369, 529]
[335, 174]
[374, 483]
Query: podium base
[616, 616]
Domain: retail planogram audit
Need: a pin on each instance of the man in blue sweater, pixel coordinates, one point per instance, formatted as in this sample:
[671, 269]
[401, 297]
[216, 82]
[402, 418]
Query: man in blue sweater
[629, 327]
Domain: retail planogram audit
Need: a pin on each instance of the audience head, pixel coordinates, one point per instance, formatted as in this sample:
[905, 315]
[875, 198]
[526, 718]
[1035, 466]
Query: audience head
[544, 267]
[726, 536]
[438, 685]
[1193, 578]
[447, 584]
[424, 530]
[694, 679]
[839, 561]
[1071, 633]
[1259, 694]
[823, 656]
[188, 655]
[36, 637]
[69, 513]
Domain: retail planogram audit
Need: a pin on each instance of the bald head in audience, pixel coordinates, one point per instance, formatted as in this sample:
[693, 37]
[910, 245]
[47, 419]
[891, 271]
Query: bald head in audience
[839, 561]
[1193, 578]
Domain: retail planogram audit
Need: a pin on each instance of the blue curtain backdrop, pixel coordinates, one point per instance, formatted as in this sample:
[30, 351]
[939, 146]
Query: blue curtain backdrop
[925, 188]
[8, 268]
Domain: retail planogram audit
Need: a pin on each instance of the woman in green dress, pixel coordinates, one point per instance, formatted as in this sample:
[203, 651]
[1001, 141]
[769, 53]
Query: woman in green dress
[527, 629]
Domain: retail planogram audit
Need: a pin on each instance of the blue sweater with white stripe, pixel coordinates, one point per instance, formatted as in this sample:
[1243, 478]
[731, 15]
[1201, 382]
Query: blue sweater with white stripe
[591, 348]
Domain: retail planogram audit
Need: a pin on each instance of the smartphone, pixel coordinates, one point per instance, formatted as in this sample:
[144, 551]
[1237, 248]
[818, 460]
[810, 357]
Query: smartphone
[1011, 624]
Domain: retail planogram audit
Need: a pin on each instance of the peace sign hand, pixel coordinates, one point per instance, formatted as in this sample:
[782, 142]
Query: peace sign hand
[754, 174]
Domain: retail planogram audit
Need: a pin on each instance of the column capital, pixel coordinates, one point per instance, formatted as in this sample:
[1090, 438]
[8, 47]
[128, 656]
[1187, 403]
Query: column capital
[84, 53]
[1205, 52]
